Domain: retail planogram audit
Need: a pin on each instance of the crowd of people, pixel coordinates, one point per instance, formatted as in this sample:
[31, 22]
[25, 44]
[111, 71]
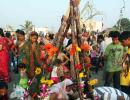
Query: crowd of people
[22, 55]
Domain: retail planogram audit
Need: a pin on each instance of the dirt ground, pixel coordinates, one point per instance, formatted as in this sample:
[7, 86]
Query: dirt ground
[14, 78]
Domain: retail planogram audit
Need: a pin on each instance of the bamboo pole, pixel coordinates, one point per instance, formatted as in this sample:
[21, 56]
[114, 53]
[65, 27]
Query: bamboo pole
[72, 27]
[73, 16]
[58, 41]
[60, 31]
[78, 29]
[73, 22]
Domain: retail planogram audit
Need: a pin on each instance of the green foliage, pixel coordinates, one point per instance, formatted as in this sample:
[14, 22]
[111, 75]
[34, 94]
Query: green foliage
[122, 25]
[27, 27]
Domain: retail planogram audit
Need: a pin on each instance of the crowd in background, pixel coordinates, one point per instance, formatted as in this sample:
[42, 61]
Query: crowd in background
[109, 53]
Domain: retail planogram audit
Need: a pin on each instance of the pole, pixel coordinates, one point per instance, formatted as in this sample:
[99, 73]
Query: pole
[121, 15]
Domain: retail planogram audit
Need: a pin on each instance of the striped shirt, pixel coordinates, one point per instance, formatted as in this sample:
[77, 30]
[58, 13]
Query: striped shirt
[109, 93]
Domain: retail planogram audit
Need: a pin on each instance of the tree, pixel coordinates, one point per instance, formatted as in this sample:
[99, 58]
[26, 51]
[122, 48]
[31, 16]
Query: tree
[122, 25]
[27, 27]
[89, 12]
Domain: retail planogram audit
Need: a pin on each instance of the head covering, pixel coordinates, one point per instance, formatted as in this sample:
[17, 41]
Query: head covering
[67, 82]
[60, 87]
[124, 35]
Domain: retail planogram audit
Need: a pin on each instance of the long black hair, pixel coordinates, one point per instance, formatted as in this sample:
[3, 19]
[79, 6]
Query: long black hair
[1, 32]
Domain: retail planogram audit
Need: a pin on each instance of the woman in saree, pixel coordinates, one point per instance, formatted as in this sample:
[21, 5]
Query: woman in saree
[4, 62]
[19, 49]
[32, 54]
[32, 60]
[4, 57]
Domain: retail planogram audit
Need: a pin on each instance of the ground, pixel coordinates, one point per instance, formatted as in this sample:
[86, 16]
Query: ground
[14, 78]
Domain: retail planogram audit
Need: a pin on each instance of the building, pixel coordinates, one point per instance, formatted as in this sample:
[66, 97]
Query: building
[41, 30]
[93, 25]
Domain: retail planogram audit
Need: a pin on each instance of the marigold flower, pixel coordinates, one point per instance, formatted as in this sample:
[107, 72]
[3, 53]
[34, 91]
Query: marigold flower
[50, 82]
[93, 82]
[85, 47]
[43, 81]
[81, 75]
[78, 49]
[38, 71]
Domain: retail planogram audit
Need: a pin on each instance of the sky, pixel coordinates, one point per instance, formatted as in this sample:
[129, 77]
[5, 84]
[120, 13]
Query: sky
[48, 13]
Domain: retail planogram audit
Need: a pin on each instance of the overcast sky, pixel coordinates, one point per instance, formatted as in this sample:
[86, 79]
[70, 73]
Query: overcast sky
[48, 13]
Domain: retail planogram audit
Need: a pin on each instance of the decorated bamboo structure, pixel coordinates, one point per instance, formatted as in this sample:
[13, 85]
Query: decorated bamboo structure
[72, 22]
[75, 31]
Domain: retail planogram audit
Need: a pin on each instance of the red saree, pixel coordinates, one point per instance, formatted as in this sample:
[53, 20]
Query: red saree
[4, 61]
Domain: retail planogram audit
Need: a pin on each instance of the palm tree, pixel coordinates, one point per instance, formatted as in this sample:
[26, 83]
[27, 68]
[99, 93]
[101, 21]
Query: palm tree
[27, 27]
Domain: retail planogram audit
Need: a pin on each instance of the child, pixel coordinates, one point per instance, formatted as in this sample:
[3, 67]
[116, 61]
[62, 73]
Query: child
[60, 70]
[57, 72]
[87, 62]
[3, 91]
[23, 82]
[95, 57]
[125, 78]
[42, 51]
